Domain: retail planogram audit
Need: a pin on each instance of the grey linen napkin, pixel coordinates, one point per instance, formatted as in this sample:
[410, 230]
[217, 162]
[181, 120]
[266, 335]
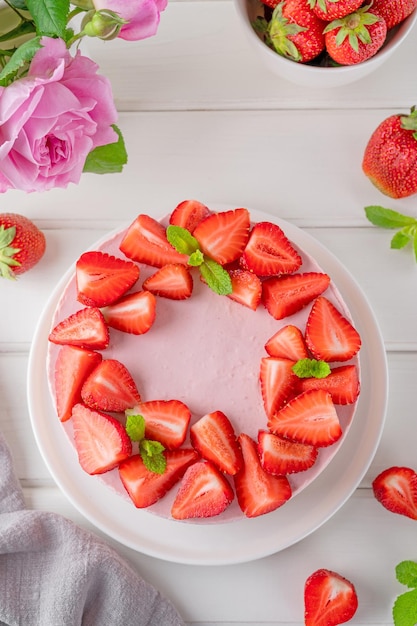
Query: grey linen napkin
[53, 573]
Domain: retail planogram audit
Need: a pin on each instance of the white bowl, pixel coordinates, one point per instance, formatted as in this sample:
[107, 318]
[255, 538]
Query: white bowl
[310, 75]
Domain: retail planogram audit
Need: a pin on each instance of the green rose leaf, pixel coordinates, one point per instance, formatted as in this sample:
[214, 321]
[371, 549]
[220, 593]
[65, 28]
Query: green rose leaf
[25, 28]
[108, 159]
[216, 277]
[23, 55]
[18, 4]
[50, 16]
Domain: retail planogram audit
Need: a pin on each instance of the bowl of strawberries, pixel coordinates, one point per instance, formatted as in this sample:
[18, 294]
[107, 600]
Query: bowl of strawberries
[326, 43]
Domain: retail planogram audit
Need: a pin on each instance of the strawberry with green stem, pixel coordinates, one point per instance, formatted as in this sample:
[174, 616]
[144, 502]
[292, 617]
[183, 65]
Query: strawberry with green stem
[22, 245]
[294, 31]
[390, 157]
[356, 37]
[328, 10]
[387, 218]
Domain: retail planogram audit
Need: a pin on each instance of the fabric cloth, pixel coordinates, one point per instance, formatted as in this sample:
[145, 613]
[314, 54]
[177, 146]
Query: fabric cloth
[53, 573]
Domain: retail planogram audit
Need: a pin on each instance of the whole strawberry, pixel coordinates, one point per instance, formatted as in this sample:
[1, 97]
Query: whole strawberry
[390, 158]
[22, 244]
[394, 11]
[355, 37]
[295, 32]
[329, 10]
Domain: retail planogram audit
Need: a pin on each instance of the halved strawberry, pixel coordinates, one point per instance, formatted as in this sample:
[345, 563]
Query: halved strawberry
[269, 251]
[396, 489]
[166, 421]
[329, 599]
[145, 241]
[223, 236]
[342, 383]
[86, 329]
[213, 436]
[73, 366]
[329, 335]
[247, 288]
[134, 313]
[285, 295]
[287, 343]
[101, 440]
[308, 418]
[278, 383]
[103, 278]
[203, 492]
[172, 281]
[146, 487]
[257, 491]
[188, 214]
[280, 456]
[110, 387]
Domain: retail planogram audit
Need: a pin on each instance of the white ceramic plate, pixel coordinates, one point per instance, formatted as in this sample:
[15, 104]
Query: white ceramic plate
[245, 539]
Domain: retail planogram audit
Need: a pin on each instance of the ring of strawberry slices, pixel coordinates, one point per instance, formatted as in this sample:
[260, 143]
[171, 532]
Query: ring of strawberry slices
[158, 446]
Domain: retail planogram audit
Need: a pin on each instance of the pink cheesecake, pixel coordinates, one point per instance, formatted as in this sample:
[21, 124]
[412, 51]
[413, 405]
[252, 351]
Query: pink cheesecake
[204, 351]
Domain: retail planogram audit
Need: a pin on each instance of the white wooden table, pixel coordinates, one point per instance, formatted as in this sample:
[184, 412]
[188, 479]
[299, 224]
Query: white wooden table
[203, 119]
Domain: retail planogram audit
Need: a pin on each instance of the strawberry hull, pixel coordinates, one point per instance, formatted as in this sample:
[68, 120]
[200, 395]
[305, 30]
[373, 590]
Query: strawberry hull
[204, 352]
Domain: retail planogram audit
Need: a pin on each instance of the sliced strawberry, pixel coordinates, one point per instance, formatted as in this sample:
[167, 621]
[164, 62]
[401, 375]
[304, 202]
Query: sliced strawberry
[72, 368]
[188, 214]
[287, 343]
[308, 418]
[166, 421]
[145, 241]
[278, 383]
[223, 236]
[214, 438]
[247, 288]
[103, 278]
[283, 296]
[134, 313]
[110, 387]
[270, 252]
[329, 335]
[342, 384]
[101, 440]
[146, 487]
[86, 329]
[396, 489]
[257, 491]
[172, 281]
[280, 456]
[329, 599]
[203, 492]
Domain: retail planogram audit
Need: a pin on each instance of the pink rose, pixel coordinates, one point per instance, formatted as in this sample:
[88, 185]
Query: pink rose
[142, 16]
[52, 118]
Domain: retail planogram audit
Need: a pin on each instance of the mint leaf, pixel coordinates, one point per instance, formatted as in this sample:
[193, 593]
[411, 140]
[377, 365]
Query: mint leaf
[108, 159]
[135, 426]
[50, 16]
[399, 240]
[406, 573]
[404, 611]
[387, 218]
[216, 277]
[196, 258]
[152, 453]
[182, 240]
[23, 55]
[311, 368]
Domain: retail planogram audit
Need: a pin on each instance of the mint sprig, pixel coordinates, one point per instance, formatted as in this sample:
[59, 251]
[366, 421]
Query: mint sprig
[311, 368]
[216, 277]
[151, 452]
[387, 218]
[404, 611]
